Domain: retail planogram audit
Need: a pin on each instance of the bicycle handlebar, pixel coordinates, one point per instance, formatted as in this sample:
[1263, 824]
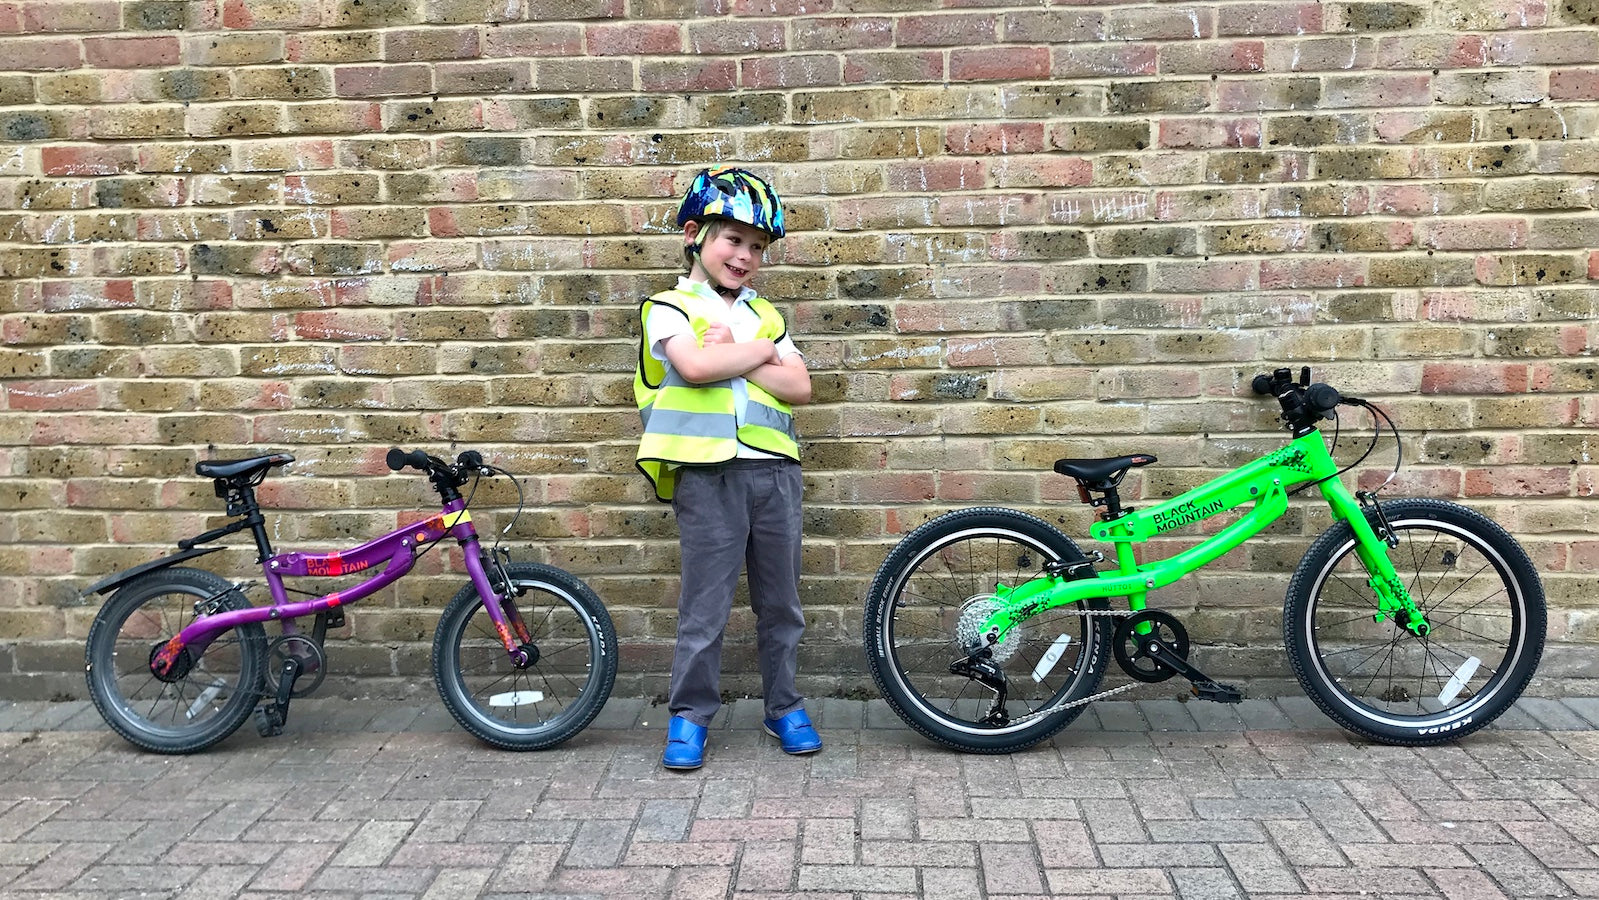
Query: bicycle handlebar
[1303, 402]
[446, 477]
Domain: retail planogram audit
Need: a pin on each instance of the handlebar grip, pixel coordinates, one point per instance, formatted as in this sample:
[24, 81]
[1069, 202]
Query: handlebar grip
[1322, 398]
[1262, 384]
[399, 459]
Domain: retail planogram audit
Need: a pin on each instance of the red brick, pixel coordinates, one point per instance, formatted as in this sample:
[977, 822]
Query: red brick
[342, 325]
[382, 81]
[995, 138]
[1208, 59]
[51, 395]
[1286, 274]
[936, 175]
[111, 159]
[1574, 84]
[1474, 378]
[780, 8]
[430, 43]
[1199, 275]
[1593, 265]
[1473, 234]
[999, 64]
[893, 66]
[1207, 132]
[39, 54]
[707, 74]
[888, 487]
[791, 71]
[71, 15]
[1414, 482]
[1269, 18]
[995, 209]
[634, 39]
[1344, 92]
[946, 30]
[270, 14]
[1104, 60]
[1519, 481]
[131, 52]
[840, 33]
[1042, 171]
[1431, 51]
[520, 41]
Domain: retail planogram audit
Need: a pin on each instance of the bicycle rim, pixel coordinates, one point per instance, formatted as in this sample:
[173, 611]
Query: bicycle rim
[204, 704]
[937, 603]
[1388, 683]
[550, 700]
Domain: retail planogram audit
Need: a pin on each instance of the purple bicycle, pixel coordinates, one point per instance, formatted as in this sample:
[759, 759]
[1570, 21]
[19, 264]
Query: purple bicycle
[177, 658]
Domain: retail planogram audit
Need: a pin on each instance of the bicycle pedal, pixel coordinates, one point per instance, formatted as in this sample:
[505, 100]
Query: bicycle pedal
[1217, 693]
[268, 722]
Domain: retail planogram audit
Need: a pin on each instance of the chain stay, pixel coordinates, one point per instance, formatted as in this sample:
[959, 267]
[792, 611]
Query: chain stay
[1061, 707]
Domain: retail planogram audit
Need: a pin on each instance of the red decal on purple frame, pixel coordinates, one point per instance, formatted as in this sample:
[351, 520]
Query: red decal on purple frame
[333, 564]
[161, 665]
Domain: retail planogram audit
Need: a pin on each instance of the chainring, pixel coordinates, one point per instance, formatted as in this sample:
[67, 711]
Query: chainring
[1129, 645]
[313, 662]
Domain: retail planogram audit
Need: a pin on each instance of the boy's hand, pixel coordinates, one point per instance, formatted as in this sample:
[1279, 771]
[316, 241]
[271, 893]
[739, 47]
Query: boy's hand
[718, 333]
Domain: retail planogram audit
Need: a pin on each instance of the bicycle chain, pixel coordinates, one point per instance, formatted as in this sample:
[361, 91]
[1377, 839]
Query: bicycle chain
[1062, 707]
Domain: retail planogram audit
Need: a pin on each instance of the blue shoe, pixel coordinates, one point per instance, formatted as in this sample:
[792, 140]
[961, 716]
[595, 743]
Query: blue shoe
[795, 731]
[685, 744]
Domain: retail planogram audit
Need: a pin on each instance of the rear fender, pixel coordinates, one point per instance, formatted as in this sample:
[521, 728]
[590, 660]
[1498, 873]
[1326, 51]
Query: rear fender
[127, 575]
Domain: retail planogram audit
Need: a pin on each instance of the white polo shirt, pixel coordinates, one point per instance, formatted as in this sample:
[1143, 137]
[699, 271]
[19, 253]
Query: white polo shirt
[665, 322]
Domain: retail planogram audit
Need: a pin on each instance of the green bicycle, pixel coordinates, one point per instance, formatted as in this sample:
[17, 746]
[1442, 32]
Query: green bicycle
[1409, 622]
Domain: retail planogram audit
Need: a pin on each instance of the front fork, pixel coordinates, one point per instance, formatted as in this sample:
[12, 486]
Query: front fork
[1371, 546]
[494, 584]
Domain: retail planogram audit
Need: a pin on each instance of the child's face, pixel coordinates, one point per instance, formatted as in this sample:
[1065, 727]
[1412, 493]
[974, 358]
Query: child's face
[732, 255]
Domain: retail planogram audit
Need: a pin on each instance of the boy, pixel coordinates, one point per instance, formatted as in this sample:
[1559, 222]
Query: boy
[717, 375]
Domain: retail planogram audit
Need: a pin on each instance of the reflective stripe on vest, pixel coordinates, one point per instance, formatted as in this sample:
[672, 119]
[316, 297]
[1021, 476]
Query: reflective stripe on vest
[696, 424]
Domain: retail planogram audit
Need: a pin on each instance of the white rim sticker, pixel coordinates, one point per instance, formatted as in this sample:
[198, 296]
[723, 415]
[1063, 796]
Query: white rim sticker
[1051, 657]
[1458, 680]
[516, 698]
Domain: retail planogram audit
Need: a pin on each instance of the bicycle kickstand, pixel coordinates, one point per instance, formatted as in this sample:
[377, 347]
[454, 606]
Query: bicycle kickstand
[271, 717]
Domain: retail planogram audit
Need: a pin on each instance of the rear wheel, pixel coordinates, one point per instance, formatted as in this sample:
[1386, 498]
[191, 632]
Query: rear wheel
[927, 604]
[1477, 589]
[573, 650]
[210, 690]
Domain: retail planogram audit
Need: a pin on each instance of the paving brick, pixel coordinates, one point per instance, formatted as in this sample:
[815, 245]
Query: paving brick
[1196, 813]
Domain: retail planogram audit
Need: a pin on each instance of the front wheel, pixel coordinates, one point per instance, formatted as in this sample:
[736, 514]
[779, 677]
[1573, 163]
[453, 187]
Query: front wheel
[206, 695]
[927, 603]
[572, 648]
[1477, 589]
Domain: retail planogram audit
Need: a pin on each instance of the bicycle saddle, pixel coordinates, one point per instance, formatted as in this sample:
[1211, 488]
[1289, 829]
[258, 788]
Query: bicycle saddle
[1100, 471]
[225, 468]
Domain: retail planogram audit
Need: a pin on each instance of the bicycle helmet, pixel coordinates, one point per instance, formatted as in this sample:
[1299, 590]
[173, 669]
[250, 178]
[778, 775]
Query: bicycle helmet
[732, 193]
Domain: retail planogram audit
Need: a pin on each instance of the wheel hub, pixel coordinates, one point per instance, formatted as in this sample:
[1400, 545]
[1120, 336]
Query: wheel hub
[969, 628]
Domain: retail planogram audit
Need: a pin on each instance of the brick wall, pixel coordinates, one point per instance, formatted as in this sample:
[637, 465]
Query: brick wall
[1021, 232]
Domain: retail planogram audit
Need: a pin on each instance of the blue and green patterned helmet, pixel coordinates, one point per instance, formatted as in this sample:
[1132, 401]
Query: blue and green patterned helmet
[732, 193]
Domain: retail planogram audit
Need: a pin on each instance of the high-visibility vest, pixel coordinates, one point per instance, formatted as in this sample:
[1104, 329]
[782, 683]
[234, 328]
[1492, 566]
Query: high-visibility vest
[688, 424]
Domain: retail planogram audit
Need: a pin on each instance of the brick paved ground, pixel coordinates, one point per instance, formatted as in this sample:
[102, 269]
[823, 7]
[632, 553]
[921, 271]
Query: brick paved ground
[1147, 799]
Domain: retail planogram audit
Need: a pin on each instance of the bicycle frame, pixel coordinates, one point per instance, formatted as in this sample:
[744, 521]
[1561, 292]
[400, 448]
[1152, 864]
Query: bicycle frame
[398, 549]
[1264, 483]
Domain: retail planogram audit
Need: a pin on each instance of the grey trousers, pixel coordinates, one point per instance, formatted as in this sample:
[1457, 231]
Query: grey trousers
[741, 515]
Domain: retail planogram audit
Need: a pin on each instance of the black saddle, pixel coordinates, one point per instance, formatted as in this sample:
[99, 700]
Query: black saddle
[1102, 473]
[240, 468]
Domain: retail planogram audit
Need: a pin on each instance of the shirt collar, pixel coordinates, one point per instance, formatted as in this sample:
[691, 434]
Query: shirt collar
[703, 289]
